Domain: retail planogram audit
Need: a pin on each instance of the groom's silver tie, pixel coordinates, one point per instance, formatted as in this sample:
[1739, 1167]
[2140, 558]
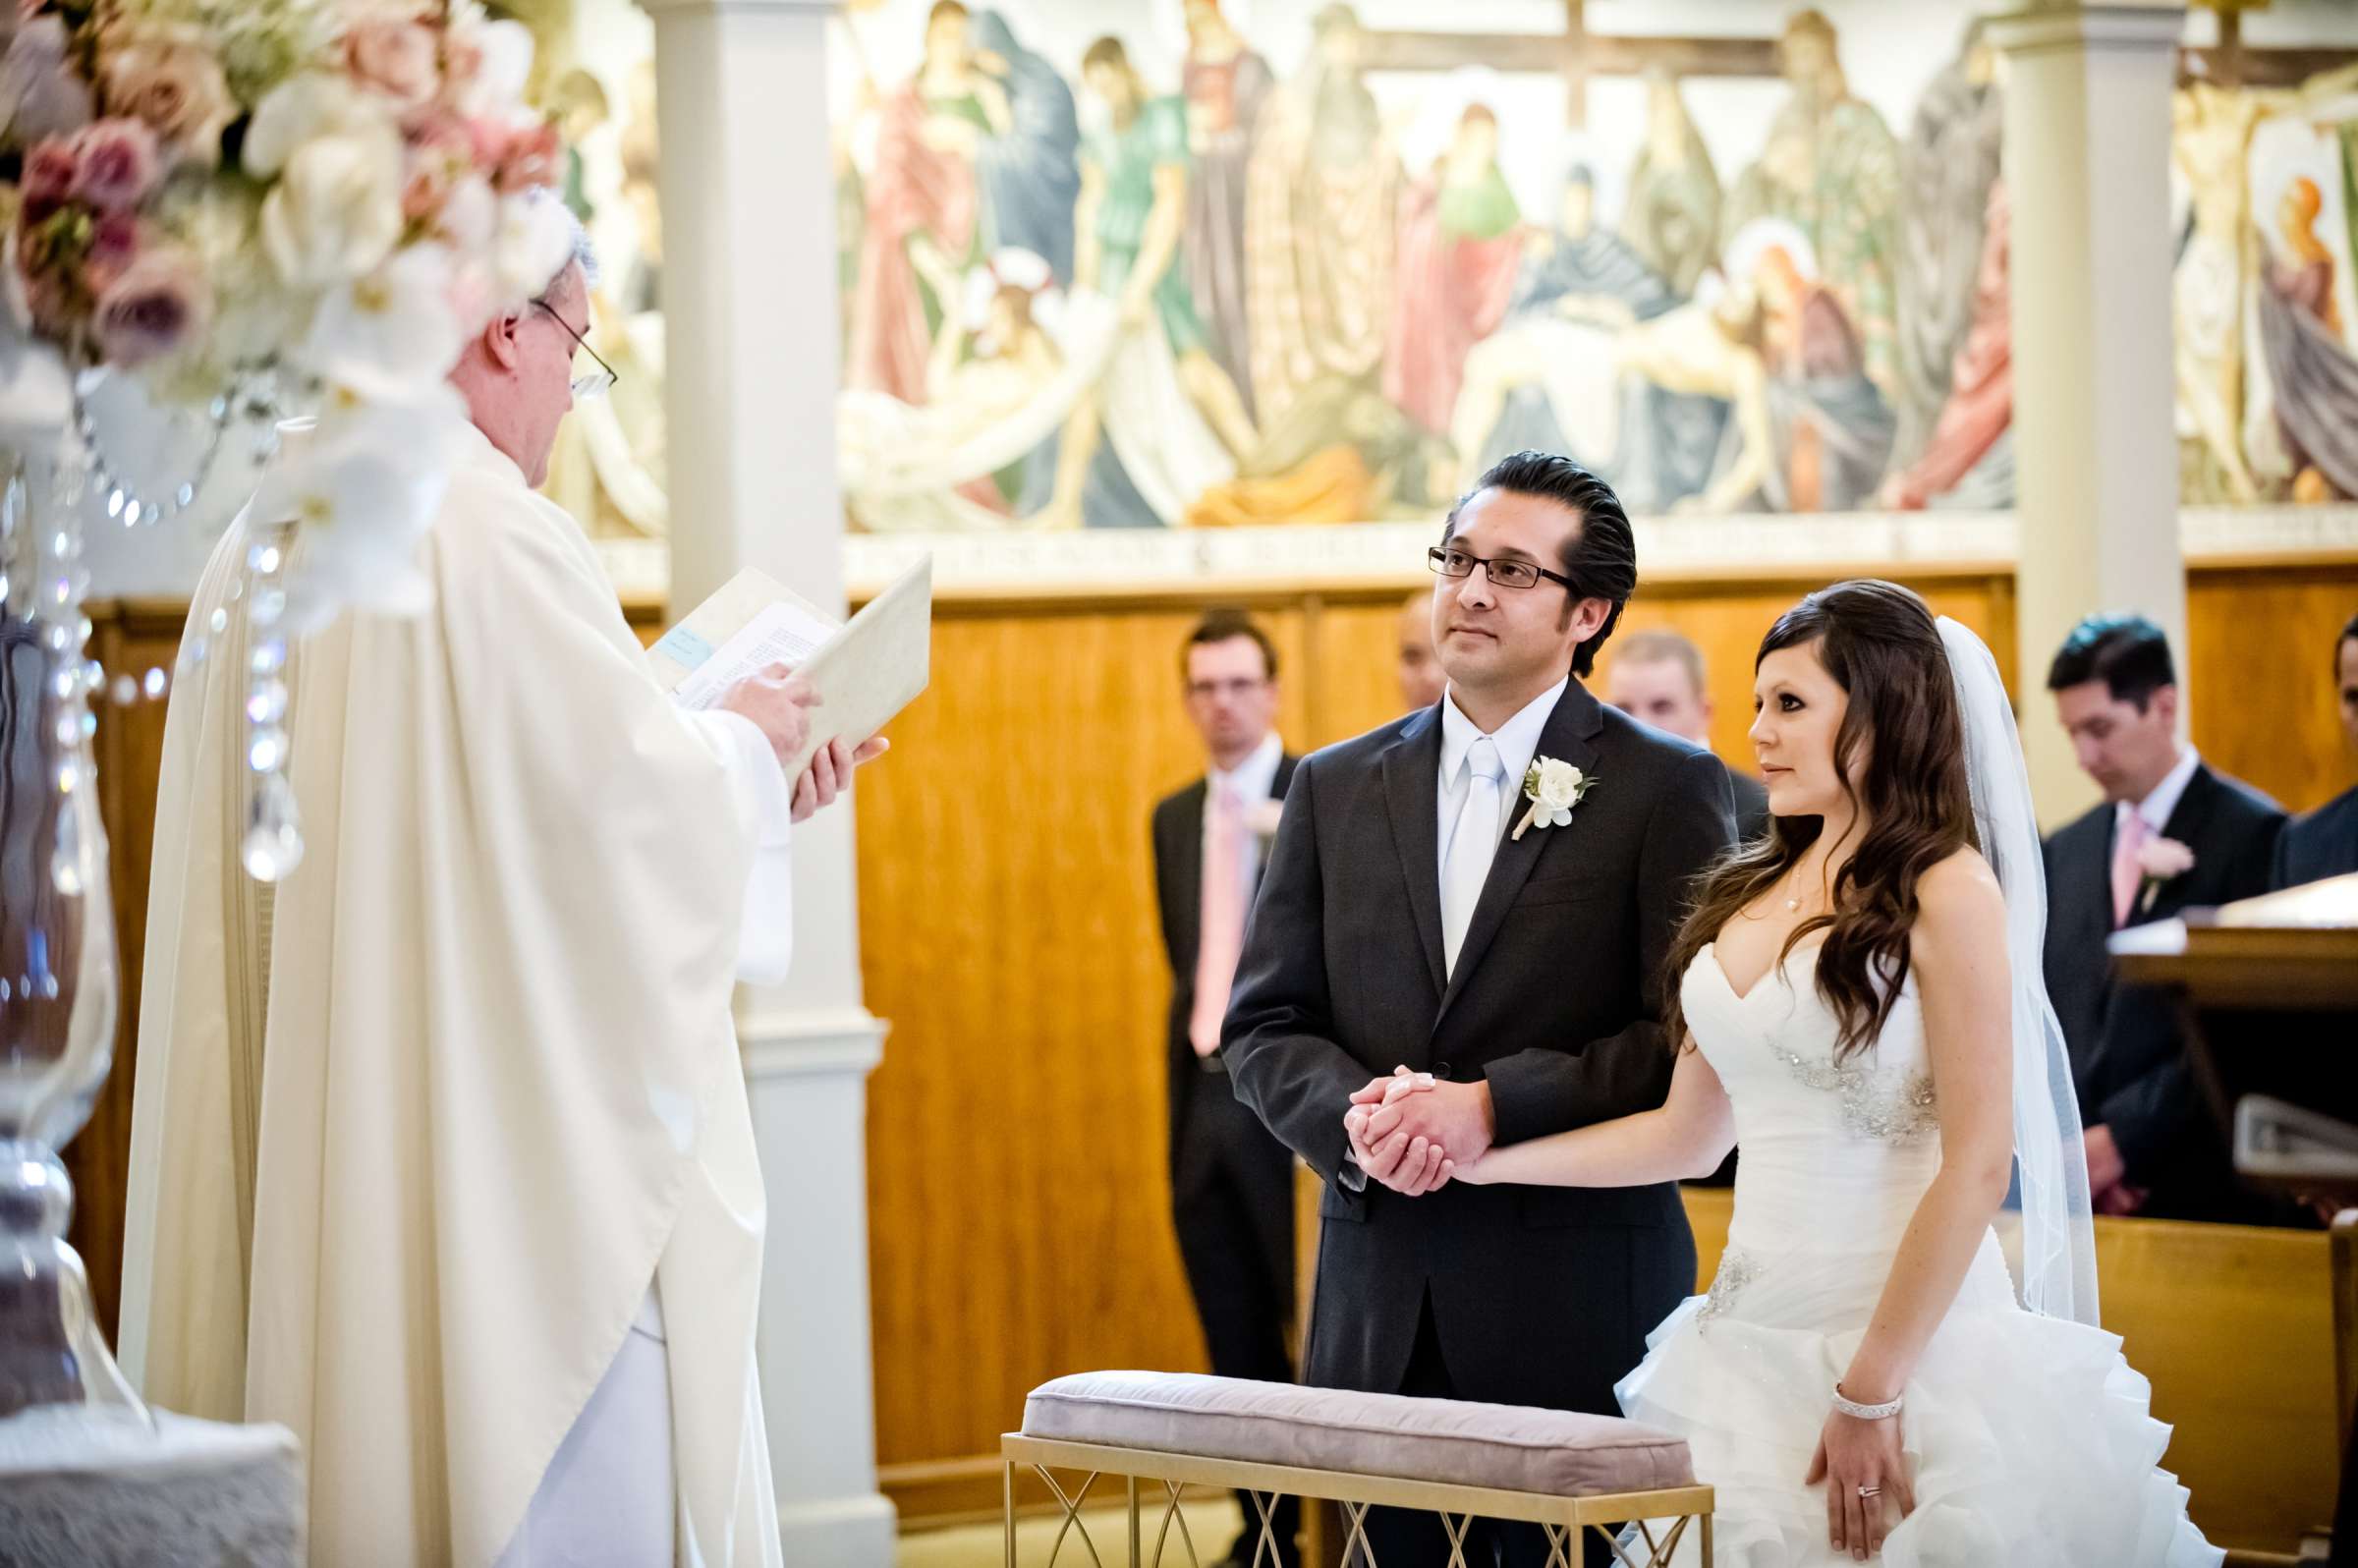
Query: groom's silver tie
[1472, 844]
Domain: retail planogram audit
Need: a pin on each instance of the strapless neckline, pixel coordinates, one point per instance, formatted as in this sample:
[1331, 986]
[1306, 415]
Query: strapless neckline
[1775, 971]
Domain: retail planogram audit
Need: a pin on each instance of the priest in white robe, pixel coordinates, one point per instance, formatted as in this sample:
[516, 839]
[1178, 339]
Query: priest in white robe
[442, 1153]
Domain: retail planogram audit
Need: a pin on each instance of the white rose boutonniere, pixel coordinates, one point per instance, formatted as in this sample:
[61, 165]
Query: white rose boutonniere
[2159, 860]
[1553, 788]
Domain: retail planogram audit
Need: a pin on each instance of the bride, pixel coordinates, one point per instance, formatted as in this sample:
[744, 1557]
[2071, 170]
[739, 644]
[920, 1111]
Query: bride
[1859, 1005]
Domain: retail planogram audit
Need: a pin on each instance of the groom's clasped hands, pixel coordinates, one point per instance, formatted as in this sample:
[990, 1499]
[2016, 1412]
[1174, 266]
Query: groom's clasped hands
[1415, 1133]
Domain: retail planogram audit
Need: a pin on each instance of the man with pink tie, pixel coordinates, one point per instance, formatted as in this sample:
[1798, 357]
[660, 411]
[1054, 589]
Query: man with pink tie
[2172, 834]
[1231, 1181]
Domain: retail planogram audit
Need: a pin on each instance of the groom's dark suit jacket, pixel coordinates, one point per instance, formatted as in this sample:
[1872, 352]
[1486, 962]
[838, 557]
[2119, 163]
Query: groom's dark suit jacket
[1539, 1296]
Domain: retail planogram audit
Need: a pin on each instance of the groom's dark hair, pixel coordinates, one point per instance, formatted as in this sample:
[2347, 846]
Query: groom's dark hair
[1602, 558]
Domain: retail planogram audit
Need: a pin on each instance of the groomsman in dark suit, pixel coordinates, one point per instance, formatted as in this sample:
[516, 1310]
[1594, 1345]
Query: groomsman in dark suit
[2172, 835]
[1658, 677]
[1232, 1186]
[2324, 843]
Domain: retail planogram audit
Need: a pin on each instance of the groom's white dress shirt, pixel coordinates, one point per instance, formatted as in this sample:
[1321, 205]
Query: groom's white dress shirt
[1517, 740]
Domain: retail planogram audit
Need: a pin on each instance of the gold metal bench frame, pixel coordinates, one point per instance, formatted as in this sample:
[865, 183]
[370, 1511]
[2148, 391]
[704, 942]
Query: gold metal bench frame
[1564, 1520]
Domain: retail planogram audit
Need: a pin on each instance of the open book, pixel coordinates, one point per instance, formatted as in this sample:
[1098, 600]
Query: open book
[865, 669]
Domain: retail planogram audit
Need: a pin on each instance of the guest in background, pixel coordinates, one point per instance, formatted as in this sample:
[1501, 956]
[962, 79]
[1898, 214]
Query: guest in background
[1659, 678]
[1421, 679]
[2170, 835]
[1232, 1183]
[2324, 843]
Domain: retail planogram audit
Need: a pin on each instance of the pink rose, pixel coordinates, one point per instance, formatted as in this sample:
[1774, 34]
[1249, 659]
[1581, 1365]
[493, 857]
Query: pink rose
[178, 90]
[441, 154]
[533, 157]
[47, 180]
[397, 59]
[155, 305]
[114, 246]
[115, 165]
[42, 92]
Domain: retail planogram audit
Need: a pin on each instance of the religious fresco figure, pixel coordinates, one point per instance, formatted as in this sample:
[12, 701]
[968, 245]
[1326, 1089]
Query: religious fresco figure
[1461, 246]
[1028, 166]
[1671, 216]
[1012, 359]
[1948, 167]
[1172, 418]
[1830, 167]
[1226, 86]
[923, 228]
[2312, 372]
[2211, 130]
[1321, 193]
[1544, 379]
[1831, 428]
[1967, 460]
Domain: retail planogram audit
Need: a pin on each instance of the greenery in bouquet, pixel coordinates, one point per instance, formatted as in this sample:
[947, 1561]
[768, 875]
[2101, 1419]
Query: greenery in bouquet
[322, 197]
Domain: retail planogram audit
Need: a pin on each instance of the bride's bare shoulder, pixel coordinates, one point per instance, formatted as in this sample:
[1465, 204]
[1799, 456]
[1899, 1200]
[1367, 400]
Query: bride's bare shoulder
[1959, 902]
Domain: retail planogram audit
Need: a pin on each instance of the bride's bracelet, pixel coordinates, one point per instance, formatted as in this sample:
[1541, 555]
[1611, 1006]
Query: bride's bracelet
[1851, 1407]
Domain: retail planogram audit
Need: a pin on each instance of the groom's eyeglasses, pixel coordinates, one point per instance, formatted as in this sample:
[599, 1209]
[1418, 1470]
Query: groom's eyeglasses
[1511, 573]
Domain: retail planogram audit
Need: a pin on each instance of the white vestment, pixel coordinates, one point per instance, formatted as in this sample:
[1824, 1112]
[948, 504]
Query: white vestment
[414, 1132]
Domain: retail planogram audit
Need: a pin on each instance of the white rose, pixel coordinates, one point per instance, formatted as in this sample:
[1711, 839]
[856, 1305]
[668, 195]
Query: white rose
[1558, 784]
[335, 212]
[300, 109]
[502, 66]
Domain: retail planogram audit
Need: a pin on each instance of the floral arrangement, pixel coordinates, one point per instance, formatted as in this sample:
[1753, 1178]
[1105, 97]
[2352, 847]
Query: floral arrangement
[267, 207]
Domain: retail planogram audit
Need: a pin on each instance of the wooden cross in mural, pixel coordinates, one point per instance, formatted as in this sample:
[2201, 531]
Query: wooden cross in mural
[1578, 55]
[2230, 65]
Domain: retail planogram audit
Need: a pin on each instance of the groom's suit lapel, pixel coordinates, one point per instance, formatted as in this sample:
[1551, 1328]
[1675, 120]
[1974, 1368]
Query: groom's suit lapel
[1412, 770]
[1570, 737]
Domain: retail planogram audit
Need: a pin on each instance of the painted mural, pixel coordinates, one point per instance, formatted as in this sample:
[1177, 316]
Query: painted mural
[1207, 263]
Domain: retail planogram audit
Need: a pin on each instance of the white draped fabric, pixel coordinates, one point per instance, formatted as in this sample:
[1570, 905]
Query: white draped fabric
[415, 1134]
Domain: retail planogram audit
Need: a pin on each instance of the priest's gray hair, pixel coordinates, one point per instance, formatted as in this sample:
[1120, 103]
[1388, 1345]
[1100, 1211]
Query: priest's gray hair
[579, 251]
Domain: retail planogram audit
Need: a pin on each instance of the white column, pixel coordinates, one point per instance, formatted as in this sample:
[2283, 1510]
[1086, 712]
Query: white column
[2087, 167]
[749, 320]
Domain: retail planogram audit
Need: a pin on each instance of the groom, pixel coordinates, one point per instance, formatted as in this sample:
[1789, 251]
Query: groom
[1403, 921]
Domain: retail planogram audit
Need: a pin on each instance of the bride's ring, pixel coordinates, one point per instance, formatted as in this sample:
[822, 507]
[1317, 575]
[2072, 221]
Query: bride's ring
[1870, 1492]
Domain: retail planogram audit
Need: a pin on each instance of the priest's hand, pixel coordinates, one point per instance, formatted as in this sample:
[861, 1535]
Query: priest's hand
[831, 773]
[780, 701]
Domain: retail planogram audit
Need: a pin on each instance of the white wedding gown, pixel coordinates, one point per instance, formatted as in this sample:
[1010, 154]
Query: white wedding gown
[2028, 1438]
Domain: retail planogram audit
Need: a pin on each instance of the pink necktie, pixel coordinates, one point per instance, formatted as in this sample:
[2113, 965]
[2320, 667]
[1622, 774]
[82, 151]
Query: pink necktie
[2127, 875]
[1222, 939]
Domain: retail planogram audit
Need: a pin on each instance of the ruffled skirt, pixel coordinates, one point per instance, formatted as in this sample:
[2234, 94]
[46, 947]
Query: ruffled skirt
[2029, 1439]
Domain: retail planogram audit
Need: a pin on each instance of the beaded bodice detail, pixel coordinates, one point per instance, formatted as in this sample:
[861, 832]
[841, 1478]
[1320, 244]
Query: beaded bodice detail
[1832, 1156]
[1883, 1093]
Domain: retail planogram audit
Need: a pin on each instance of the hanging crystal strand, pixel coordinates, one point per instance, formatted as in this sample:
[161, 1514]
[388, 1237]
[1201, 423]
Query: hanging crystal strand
[58, 976]
[273, 845]
[125, 502]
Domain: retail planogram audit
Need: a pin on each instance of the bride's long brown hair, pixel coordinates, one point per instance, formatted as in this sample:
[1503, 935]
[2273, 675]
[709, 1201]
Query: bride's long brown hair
[1900, 758]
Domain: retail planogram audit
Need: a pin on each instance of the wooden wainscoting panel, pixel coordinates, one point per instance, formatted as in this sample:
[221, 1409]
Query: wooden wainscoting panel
[1018, 1197]
[127, 639]
[2260, 676]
